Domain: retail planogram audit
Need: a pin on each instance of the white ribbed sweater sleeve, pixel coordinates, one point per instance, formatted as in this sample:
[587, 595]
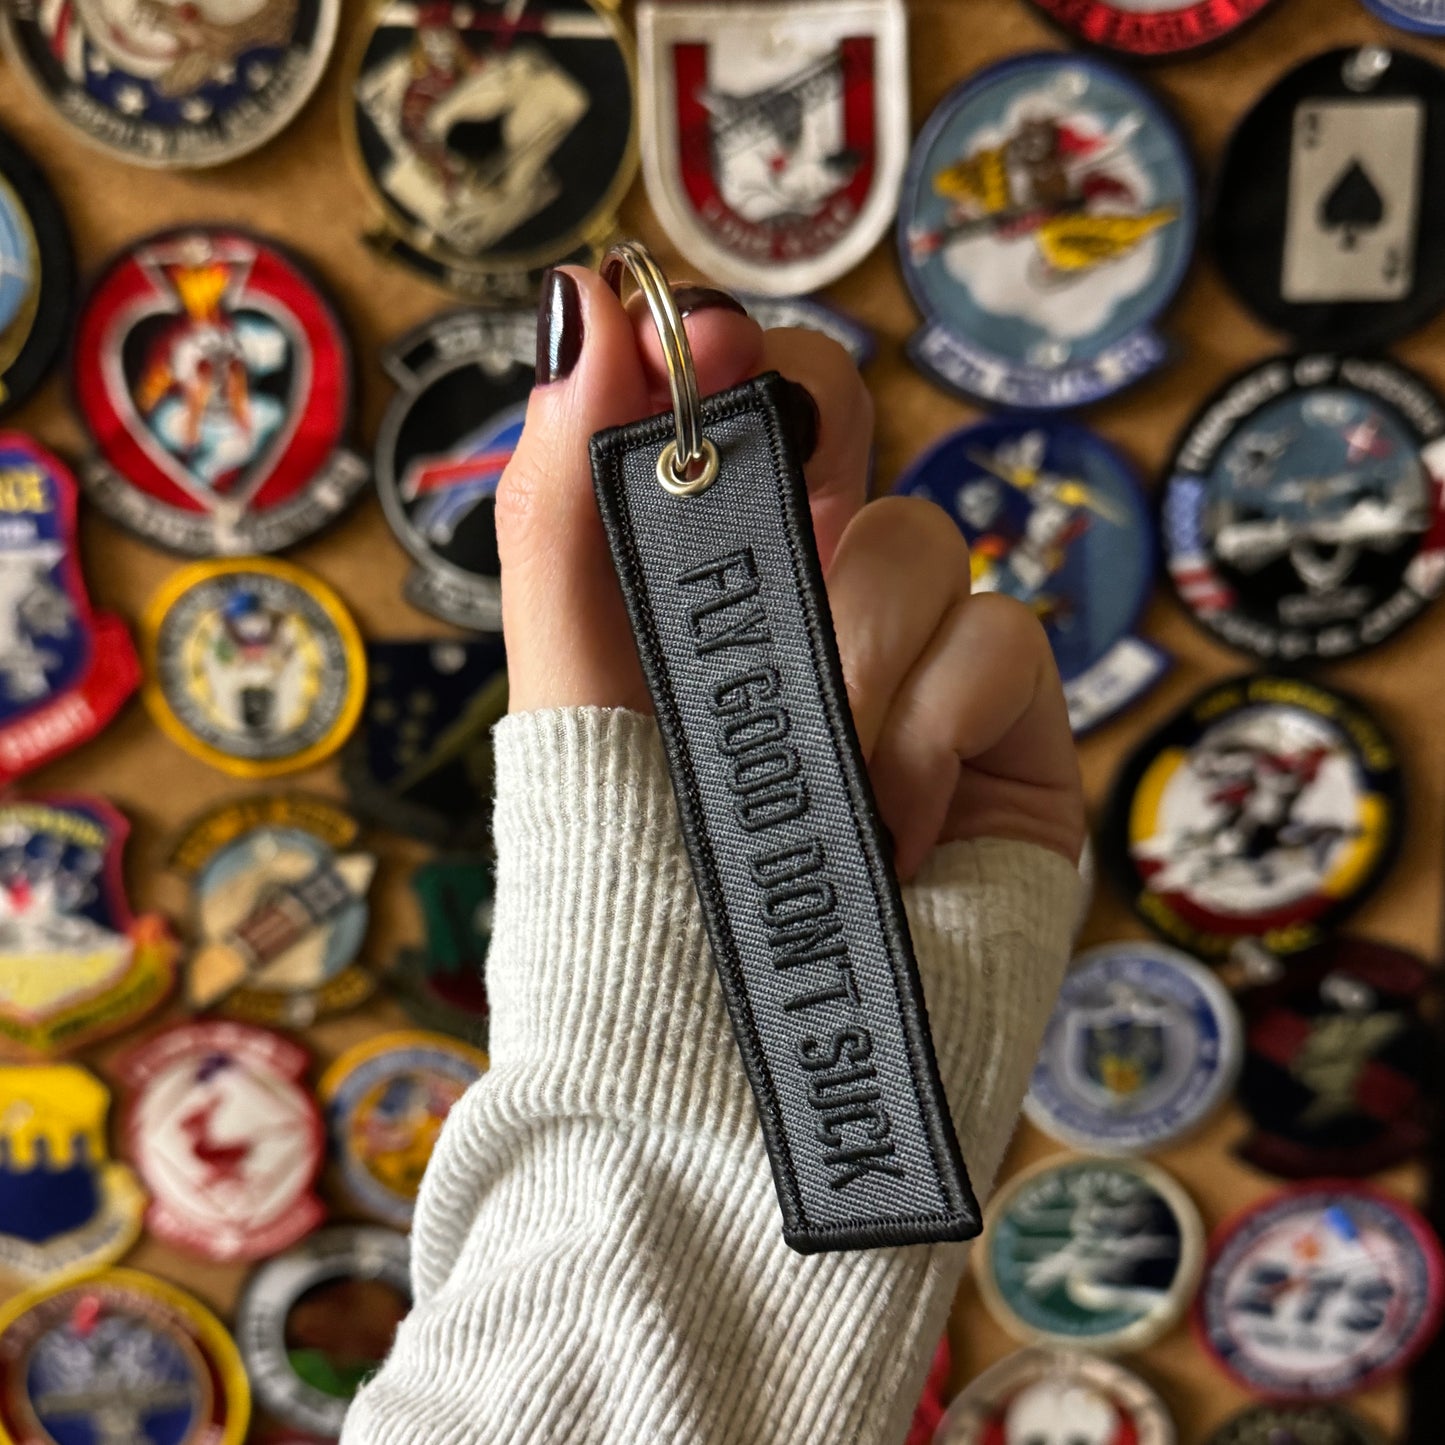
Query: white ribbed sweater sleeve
[597, 1253]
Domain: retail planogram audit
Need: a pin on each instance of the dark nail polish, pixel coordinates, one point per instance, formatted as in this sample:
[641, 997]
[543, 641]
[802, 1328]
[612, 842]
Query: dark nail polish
[559, 327]
[800, 412]
[705, 298]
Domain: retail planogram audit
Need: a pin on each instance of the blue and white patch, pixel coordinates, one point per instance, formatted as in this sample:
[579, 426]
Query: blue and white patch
[1424, 17]
[1055, 517]
[1143, 1045]
[1048, 217]
[810, 314]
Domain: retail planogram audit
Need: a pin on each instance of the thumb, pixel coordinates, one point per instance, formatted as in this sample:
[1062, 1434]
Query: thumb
[567, 635]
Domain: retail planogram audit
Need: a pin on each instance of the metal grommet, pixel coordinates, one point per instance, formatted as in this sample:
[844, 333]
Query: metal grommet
[698, 465]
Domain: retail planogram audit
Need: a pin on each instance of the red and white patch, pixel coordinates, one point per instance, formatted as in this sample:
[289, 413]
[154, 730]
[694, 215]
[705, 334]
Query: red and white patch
[1156, 28]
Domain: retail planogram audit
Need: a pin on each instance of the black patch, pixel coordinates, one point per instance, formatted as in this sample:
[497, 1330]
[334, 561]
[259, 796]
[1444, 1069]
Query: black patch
[1294, 1425]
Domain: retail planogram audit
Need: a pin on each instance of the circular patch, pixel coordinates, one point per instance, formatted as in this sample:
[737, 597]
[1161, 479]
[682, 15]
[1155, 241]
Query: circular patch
[1320, 1291]
[254, 666]
[1294, 1425]
[808, 313]
[1143, 1045]
[1304, 515]
[216, 382]
[169, 85]
[226, 1137]
[495, 143]
[1039, 1397]
[1267, 808]
[386, 1100]
[444, 442]
[1047, 219]
[1055, 518]
[315, 1323]
[1323, 221]
[37, 275]
[1093, 1252]
[118, 1356]
[1151, 29]
[1339, 1066]
[1424, 17]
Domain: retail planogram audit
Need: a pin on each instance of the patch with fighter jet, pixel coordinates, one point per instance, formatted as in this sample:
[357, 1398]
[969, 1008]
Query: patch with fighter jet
[216, 383]
[1339, 1065]
[253, 666]
[162, 83]
[497, 137]
[774, 137]
[76, 964]
[1304, 513]
[463, 382]
[1047, 219]
[65, 671]
[1267, 808]
[1151, 29]
[280, 912]
[1056, 518]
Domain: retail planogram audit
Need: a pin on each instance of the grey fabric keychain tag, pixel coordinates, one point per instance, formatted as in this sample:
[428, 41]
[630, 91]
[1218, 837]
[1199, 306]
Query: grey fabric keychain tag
[793, 868]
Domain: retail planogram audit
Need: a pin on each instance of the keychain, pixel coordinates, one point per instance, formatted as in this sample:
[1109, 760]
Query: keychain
[707, 517]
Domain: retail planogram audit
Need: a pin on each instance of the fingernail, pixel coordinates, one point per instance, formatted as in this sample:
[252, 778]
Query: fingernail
[559, 327]
[800, 412]
[705, 298]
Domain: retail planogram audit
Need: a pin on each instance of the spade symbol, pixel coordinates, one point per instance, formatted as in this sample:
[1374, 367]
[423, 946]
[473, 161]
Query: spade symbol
[1353, 205]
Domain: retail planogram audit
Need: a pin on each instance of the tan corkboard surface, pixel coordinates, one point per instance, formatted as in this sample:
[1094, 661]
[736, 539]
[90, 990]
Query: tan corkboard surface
[301, 190]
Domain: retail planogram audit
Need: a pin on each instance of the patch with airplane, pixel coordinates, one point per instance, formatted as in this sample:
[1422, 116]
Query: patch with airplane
[216, 383]
[65, 670]
[226, 1136]
[1151, 29]
[463, 382]
[75, 964]
[279, 890]
[420, 761]
[118, 1356]
[187, 84]
[386, 1100]
[1340, 1068]
[1267, 809]
[1324, 222]
[37, 275]
[496, 139]
[1055, 517]
[254, 666]
[774, 137]
[1304, 512]
[1047, 219]
[66, 1207]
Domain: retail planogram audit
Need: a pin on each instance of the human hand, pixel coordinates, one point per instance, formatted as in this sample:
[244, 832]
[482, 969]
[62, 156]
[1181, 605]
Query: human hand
[956, 698]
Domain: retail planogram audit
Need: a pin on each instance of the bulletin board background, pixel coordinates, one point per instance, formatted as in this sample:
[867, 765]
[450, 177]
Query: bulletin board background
[301, 189]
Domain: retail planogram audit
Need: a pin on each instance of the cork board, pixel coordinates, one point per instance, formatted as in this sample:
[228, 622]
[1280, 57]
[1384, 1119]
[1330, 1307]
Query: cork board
[301, 190]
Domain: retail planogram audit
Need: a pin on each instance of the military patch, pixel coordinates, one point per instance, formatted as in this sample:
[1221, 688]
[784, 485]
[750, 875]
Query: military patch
[1046, 221]
[1294, 1425]
[253, 666]
[173, 85]
[495, 142]
[37, 275]
[1304, 512]
[280, 910]
[1267, 808]
[386, 1100]
[807, 313]
[1151, 29]
[65, 671]
[66, 1207]
[226, 1137]
[75, 964]
[774, 136]
[445, 440]
[1424, 17]
[216, 382]
[315, 1323]
[1055, 517]
[118, 1356]
[420, 762]
[1339, 1064]
[443, 984]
